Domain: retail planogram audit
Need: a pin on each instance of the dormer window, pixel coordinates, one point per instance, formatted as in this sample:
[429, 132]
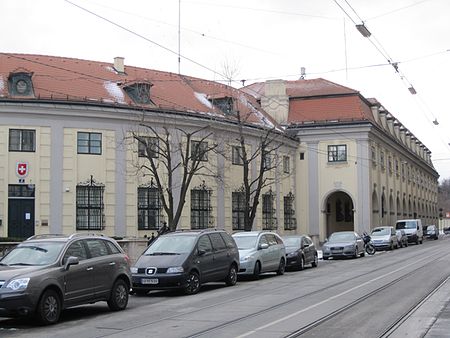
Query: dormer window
[20, 84]
[225, 104]
[139, 92]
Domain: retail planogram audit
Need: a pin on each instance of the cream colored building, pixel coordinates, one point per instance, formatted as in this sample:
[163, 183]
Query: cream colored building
[69, 163]
[358, 166]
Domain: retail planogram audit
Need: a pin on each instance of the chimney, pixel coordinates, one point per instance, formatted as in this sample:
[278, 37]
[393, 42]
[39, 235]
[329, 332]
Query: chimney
[275, 100]
[119, 64]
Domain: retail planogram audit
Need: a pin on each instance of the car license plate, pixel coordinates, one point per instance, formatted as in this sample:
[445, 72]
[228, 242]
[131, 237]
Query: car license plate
[149, 281]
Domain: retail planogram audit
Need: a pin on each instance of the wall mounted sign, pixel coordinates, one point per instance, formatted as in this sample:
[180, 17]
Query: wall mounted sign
[22, 169]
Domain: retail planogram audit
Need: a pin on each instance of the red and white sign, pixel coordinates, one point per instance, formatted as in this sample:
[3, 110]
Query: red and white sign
[22, 169]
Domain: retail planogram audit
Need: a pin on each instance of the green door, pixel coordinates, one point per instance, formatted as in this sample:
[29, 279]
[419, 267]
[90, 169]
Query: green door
[20, 218]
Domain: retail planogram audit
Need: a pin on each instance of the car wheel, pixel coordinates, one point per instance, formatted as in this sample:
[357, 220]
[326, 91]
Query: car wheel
[118, 300]
[301, 264]
[281, 267]
[421, 241]
[49, 307]
[193, 284]
[363, 253]
[257, 270]
[232, 276]
[315, 262]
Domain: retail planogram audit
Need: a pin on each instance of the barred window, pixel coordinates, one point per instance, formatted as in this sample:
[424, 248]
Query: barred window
[268, 212]
[148, 147]
[200, 208]
[238, 209]
[236, 154]
[199, 150]
[22, 140]
[89, 143]
[90, 207]
[149, 208]
[267, 160]
[337, 153]
[290, 222]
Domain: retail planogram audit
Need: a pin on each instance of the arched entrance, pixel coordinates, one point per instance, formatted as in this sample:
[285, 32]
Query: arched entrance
[339, 211]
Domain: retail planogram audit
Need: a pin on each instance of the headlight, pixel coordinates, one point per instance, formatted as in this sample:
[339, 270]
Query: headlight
[134, 269]
[18, 284]
[292, 254]
[247, 258]
[175, 269]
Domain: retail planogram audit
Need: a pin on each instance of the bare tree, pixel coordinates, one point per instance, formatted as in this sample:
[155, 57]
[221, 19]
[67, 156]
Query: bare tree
[168, 158]
[263, 156]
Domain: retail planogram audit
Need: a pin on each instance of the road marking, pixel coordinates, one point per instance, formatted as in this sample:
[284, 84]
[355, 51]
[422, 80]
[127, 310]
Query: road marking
[326, 300]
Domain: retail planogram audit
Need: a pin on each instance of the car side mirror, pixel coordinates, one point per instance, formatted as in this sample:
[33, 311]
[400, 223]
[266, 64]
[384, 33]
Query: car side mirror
[71, 260]
[201, 252]
[263, 246]
[305, 246]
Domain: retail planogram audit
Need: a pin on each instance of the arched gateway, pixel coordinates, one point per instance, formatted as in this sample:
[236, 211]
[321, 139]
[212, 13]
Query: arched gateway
[339, 212]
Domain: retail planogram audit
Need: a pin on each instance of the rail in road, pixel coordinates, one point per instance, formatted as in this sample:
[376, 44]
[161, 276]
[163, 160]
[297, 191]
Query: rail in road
[352, 297]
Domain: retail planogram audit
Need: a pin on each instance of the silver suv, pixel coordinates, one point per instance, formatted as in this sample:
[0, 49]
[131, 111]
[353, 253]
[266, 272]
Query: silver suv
[48, 273]
[260, 251]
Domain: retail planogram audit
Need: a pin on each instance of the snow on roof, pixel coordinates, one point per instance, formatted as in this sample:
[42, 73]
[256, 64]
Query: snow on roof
[202, 98]
[115, 91]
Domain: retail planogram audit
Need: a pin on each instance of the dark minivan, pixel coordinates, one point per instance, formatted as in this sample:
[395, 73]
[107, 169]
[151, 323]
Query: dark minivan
[185, 260]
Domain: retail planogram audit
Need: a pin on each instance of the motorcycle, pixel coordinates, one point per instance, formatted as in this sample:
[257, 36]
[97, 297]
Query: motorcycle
[368, 246]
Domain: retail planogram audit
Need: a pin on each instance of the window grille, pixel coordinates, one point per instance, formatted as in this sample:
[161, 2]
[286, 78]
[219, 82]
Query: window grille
[200, 208]
[238, 209]
[149, 208]
[290, 223]
[268, 212]
[89, 205]
[337, 153]
[22, 140]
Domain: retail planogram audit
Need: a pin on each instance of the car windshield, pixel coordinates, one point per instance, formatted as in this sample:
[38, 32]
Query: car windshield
[381, 232]
[171, 245]
[341, 237]
[406, 225]
[292, 241]
[245, 242]
[42, 253]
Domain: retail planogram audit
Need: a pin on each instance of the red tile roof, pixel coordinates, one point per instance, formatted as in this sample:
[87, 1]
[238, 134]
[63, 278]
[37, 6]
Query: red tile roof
[75, 80]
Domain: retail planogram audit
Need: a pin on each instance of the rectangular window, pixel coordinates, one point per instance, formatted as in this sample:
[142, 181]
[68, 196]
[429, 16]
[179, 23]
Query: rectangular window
[89, 143]
[22, 140]
[149, 208]
[268, 212]
[337, 153]
[238, 209]
[236, 154]
[286, 164]
[149, 145]
[267, 160]
[290, 222]
[374, 155]
[200, 208]
[199, 150]
[382, 163]
[89, 204]
[302, 156]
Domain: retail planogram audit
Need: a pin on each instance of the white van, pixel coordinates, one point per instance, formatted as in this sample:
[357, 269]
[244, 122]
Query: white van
[413, 229]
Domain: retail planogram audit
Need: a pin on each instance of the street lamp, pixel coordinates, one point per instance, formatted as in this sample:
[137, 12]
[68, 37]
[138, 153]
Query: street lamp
[363, 30]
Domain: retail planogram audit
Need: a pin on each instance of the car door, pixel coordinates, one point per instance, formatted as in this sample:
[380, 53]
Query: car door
[274, 251]
[359, 242]
[103, 265]
[307, 250]
[264, 254]
[205, 258]
[79, 278]
[221, 257]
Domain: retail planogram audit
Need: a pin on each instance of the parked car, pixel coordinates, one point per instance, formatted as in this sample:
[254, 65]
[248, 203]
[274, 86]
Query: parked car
[432, 232]
[343, 244]
[413, 229]
[384, 238]
[186, 260]
[300, 251]
[260, 251]
[402, 239]
[48, 273]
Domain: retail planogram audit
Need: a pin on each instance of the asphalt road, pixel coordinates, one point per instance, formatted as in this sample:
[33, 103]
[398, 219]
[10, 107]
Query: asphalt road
[362, 297]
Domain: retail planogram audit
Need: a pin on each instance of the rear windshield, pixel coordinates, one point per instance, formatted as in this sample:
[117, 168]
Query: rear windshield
[406, 225]
[292, 241]
[245, 242]
[171, 245]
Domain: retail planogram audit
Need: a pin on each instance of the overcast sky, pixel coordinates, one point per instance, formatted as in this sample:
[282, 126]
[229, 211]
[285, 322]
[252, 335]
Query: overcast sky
[263, 39]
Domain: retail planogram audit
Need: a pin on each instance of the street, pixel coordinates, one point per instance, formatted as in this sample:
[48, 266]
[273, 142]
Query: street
[364, 297]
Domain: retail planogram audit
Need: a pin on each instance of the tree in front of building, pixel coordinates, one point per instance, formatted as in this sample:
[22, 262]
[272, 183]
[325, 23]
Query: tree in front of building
[172, 158]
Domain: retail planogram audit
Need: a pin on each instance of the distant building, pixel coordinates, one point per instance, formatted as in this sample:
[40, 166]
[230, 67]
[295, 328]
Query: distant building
[358, 166]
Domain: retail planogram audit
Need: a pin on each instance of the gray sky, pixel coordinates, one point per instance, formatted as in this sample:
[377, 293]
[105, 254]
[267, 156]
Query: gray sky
[263, 39]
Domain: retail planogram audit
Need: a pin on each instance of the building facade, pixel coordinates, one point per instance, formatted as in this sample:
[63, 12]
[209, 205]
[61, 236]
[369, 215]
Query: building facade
[360, 166]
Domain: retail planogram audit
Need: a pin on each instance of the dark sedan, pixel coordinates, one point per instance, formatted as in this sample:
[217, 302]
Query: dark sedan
[300, 251]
